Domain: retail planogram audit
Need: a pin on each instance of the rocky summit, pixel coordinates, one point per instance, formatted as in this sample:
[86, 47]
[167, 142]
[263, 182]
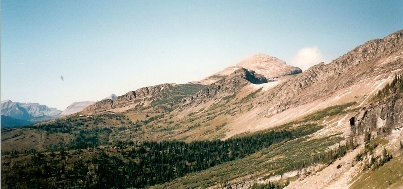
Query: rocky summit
[268, 66]
[265, 65]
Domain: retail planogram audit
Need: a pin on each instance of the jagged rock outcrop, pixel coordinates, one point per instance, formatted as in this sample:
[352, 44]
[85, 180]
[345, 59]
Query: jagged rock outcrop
[131, 98]
[379, 119]
[383, 115]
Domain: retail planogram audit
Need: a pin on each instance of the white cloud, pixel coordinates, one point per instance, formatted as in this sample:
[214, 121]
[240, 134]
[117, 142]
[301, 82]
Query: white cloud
[307, 57]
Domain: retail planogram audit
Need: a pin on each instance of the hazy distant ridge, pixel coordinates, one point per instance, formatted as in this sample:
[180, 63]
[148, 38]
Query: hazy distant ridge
[16, 113]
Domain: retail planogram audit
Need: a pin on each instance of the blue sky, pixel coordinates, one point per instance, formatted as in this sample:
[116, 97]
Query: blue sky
[103, 47]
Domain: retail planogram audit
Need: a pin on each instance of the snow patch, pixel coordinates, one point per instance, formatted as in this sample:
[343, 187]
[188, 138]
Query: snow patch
[266, 86]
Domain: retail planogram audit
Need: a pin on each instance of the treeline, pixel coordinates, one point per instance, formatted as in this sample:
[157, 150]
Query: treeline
[130, 165]
[270, 185]
[333, 154]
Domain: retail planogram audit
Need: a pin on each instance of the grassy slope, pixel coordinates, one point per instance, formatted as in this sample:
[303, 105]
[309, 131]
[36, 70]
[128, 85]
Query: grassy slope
[207, 123]
[389, 175]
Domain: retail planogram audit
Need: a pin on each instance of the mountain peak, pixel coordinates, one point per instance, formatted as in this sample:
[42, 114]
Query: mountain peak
[260, 59]
[268, 66]
[263, 64]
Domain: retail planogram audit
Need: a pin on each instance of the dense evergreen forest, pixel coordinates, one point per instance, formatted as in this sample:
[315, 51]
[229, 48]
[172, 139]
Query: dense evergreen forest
[139, 165]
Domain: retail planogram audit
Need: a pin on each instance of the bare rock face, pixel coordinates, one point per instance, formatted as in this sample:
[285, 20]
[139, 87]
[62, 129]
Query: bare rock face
[129, 99]
[378, 119]
[265, 65]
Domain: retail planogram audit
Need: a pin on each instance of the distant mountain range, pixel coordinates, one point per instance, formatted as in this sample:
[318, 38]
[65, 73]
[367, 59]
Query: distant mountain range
[22, 114]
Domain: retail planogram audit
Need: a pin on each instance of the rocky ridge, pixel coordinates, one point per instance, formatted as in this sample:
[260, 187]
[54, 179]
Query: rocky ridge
[324, 79]
[128, 100]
